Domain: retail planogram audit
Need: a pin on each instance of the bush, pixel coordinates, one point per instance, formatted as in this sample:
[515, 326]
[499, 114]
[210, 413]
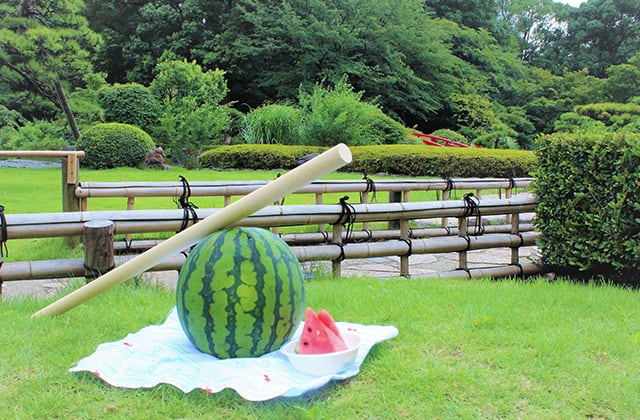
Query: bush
[255, 156]
[451, 135]
[192, 118]
[37, 135]
[339, 115]
[604, 111]
[411, 160]
[273, 124]
[130, 103]
[572, 122]
[113, 145]
[449, 162]
[497, 140]
[589, 205]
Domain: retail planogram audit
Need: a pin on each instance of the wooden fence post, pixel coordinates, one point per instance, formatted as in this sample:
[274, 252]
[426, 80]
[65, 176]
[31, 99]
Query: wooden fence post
[336, 267]
[404, 236]
[98, 247]
[70, 181]
[394, 197]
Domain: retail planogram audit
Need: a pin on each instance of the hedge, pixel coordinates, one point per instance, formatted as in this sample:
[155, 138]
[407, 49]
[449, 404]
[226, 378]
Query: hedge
[402, 159]
[588, 190]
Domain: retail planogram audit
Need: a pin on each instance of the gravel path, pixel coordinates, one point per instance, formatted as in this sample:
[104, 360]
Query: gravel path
[27, 163]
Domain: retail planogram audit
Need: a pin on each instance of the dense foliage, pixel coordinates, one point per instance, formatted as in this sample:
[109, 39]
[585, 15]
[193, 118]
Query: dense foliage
[499, 73]
[191, 117]
[588, 211]
[112, 145]
[130, 103]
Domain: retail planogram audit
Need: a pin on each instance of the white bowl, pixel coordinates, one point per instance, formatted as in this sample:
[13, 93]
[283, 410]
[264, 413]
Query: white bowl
[323, 364]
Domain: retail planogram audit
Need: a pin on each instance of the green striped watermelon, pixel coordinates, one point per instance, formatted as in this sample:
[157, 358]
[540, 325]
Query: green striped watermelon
[240, 293]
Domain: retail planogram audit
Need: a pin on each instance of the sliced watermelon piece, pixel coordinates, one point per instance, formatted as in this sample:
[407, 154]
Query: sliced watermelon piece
[327, 320]
[317, 337]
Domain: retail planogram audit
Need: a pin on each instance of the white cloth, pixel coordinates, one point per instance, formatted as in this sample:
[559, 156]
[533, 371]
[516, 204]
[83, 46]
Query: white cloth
[160, 354]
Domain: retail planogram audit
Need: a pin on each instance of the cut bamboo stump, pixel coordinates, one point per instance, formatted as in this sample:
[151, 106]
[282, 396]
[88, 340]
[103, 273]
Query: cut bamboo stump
[98, 247]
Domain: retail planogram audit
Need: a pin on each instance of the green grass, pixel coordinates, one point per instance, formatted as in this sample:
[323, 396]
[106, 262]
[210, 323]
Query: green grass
[465, 349]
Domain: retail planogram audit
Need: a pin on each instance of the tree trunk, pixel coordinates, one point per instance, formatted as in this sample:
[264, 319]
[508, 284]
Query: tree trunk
[66, 107]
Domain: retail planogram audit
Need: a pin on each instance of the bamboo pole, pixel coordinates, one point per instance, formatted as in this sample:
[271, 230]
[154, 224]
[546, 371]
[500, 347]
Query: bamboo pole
[41, 153]
[45, 225]
[323, 164]
[223, 188]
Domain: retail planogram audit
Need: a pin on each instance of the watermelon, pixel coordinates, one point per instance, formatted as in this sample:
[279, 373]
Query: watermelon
[240, 293]
[327, 320]
[320, 334]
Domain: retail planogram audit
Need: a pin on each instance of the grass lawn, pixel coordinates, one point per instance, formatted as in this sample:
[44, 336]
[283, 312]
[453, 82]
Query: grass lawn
[465, 349]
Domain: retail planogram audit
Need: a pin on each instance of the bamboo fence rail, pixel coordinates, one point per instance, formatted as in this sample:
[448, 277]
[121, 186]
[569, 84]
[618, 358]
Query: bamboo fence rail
[44, 225]
[335, 247]
[399, 189]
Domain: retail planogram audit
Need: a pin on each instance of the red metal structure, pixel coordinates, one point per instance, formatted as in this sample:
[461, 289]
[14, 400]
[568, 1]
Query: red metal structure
[431, 140]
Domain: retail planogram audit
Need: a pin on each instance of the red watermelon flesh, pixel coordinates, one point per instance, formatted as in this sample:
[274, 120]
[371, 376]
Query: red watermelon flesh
[327, 320]
[318, 337]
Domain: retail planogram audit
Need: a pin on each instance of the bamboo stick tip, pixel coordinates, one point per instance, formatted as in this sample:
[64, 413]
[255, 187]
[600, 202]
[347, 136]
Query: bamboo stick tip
[344, 152]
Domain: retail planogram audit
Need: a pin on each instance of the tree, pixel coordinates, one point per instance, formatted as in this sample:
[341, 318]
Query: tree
[137, 32]
[43, 44]
[192, 116]
[474, 14]
[599, 34]
[387, 49]
[623, 81]
[527, 19]
[116, 21]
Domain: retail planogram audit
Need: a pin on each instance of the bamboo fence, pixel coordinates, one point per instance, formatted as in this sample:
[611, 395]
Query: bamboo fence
[335, 246]
[397, 240]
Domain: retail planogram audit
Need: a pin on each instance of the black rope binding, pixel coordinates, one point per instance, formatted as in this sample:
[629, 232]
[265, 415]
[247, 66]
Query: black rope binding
[4, 251]
[451, 186]
[471, 208]
[341, 257]
[347, 217]
[410, 245]
[371, 186]
[188, 207]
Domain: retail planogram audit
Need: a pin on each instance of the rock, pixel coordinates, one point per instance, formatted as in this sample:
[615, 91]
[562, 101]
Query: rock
[155, 158]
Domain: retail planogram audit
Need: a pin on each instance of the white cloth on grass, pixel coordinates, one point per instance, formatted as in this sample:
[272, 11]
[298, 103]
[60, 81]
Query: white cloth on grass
[162, 354]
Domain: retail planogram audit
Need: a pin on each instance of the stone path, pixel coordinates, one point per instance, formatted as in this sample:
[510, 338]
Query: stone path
[383, 267]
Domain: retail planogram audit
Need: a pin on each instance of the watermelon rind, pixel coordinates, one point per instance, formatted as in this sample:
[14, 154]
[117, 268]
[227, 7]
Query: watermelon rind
[240, 293]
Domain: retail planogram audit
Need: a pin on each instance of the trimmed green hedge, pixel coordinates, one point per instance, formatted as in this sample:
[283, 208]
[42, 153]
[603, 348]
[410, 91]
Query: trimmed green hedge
[411, 160]
[588, 187]
[255, 156]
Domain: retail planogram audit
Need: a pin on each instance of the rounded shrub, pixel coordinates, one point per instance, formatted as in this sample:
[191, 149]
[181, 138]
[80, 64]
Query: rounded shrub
[113, 145]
